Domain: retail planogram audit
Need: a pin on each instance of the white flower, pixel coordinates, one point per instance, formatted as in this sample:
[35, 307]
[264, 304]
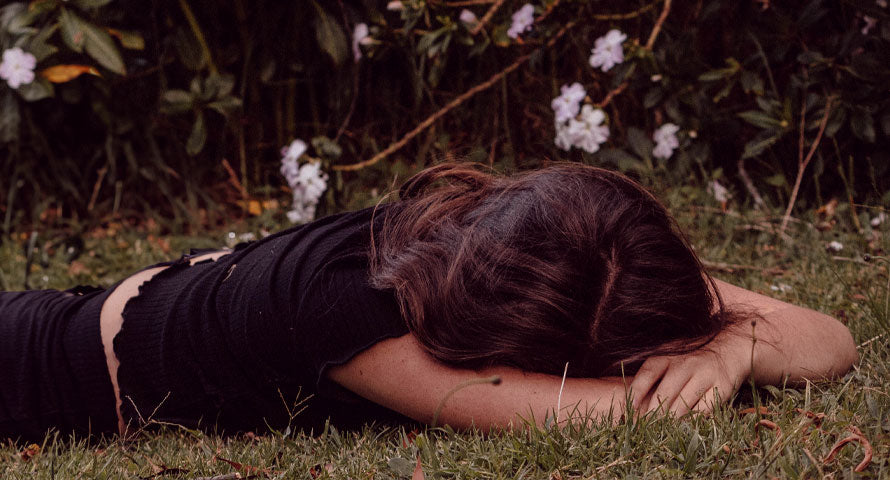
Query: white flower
[666, 140]
[720, 193]
[563, 140]
[522, 21]
[295, 150]
[17, 67]
[607, 50]
[360, 36]
[877, 221]
[307, 182]
[468, 18]
[395, 6]
[568, 103]
[781, 287]
[586, 132]
[835, 246]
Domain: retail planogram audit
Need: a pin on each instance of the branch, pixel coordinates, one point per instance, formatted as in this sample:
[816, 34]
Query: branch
[802, 164]
[392, 148]
[485, 19]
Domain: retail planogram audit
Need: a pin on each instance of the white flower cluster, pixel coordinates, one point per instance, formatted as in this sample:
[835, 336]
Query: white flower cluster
[666, 141]
[522, 21]
[877, 221]
[608, 50]
[307, 182]
[468, 18]
[577, 126]
[17, 67]
[720, 193]
[835, 246]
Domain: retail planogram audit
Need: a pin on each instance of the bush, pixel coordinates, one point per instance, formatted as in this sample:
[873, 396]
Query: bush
[177, 110]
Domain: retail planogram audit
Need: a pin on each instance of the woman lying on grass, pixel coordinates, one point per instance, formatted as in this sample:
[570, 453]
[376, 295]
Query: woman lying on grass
[378, 314]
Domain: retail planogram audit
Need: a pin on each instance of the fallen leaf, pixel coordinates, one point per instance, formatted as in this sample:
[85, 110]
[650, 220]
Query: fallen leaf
[248, 469]
[66, 73]
[77, 268]
[856, 436]
[418, 471]
[30, 452]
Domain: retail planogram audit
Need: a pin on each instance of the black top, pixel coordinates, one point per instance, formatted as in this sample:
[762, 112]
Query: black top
[231, 342]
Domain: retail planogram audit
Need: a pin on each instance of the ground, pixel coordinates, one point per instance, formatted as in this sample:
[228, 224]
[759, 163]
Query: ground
[773, 432]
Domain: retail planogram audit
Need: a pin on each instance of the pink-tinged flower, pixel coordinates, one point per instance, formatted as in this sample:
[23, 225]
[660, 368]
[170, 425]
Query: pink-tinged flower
[360, 36]
[666, 141]
[877, 221]
[17, 67]
[395, 6]
[835, 246]
[522, 21]
[607, 50]
[567, 105]
[468, 18]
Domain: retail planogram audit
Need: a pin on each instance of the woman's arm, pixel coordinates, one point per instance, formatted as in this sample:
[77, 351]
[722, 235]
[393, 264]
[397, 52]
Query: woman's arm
[398, 374]
[793, 344]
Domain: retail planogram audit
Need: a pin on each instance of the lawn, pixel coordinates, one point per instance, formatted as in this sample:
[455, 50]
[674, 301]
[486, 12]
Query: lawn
[772, 432]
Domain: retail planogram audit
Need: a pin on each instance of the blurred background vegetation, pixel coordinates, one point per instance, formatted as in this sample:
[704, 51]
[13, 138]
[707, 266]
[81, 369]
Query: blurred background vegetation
[173, 113]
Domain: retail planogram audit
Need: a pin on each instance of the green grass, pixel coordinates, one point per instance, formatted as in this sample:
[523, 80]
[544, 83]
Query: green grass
[724, 444]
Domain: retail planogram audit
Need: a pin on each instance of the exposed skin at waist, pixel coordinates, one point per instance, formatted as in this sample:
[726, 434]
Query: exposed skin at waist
[111, 320]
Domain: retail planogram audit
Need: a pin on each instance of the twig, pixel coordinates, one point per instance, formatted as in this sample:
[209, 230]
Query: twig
[233, 179]
[658, 24]
[626, 16]
[802, 164]
[749, 185]
[485, 19]
[450, 106]
[96, 186]
[730, 267]
[469, 3]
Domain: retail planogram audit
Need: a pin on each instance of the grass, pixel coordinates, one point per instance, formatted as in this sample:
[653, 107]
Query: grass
[729, 443]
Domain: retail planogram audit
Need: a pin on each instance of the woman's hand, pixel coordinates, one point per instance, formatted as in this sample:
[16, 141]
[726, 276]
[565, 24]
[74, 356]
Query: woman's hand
[696, 381]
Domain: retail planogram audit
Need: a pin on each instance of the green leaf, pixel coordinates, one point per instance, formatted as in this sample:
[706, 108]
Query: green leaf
[863, 125]
[130, 40]
[330, 36]
[218, 86]
[226, 105]
[39, 89]
[39, 46]
[760, 143]
[81, 34]
[87, 4]
[176, 101]
[198, 137]
[189, 49]
[72, 33]
[621, 159]
[640, 143]
[760, 119]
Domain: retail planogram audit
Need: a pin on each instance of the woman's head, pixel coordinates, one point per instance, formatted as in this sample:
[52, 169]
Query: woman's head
[568, 263]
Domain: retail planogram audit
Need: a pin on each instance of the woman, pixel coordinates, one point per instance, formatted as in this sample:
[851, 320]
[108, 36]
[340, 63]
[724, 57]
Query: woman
[378, 314]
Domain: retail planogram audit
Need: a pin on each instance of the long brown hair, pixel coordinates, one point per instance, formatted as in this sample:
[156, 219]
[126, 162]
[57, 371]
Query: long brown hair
[569, 263]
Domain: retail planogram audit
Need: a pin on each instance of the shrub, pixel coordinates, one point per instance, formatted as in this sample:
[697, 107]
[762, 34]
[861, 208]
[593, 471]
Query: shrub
[178, 109]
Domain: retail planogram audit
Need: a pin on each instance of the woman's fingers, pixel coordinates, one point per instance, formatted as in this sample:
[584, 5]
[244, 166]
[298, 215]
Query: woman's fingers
[672, 383]
[647, 376]
[691, 395]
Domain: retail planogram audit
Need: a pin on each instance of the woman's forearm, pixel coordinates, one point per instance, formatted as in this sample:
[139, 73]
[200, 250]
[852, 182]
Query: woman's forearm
[789, 343]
